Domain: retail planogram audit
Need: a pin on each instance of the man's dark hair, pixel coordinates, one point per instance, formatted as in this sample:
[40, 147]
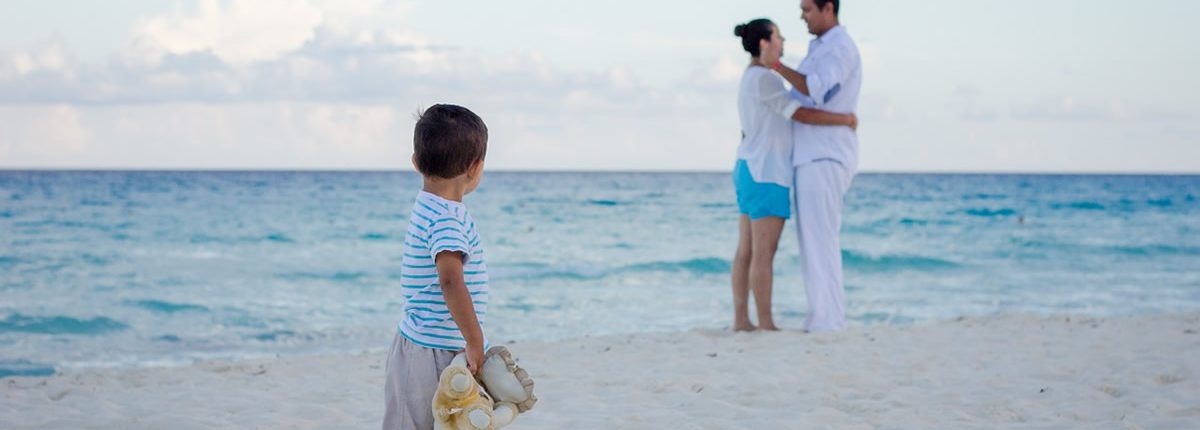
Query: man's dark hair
[836, 5]
[447, 140]
[752, 32]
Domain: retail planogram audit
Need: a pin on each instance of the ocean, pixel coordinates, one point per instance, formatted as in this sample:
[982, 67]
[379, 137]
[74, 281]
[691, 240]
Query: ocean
[101, 269]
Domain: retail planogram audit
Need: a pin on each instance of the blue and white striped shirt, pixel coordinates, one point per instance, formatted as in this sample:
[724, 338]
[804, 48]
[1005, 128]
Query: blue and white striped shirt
[438, 225]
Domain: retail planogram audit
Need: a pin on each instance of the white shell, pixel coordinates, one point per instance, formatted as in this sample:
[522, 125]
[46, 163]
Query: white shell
[505, 381]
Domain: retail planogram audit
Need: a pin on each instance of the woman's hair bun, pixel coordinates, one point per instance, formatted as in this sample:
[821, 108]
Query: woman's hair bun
[739, 30]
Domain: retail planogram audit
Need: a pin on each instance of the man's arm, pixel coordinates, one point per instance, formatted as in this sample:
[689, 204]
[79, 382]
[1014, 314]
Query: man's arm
[458, 300]
[820, 117]
[797, 79]
[819, 78]
[772, 93]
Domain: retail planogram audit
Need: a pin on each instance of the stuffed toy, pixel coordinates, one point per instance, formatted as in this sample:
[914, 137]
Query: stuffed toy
[489, 401]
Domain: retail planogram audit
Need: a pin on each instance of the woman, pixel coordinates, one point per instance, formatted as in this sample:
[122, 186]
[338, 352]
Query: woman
[763, 171]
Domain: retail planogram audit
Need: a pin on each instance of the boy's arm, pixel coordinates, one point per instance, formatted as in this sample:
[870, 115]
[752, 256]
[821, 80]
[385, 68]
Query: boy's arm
[458, 300]
[820, 117]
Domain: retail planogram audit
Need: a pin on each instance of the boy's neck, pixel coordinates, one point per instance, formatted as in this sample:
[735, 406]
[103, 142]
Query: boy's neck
[449, 189]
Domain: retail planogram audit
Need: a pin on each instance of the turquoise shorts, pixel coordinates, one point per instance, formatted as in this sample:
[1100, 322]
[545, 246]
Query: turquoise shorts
[759, 199]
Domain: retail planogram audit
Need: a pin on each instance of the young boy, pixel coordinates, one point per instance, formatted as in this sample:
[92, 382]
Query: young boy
[444, 278]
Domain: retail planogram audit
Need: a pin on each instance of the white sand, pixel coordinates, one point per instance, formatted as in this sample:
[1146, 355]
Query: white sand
[1009, 372]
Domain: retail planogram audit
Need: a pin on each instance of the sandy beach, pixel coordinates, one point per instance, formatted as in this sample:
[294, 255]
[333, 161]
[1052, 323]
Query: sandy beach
[998, 372]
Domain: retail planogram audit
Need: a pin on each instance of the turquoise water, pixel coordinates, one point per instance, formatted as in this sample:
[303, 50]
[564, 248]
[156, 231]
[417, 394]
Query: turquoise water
[141, 268]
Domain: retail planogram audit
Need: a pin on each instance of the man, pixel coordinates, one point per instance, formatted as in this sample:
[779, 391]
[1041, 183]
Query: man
[825, 158]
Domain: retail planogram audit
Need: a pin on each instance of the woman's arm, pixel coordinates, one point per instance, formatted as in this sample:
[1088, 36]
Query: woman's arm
[820, 117]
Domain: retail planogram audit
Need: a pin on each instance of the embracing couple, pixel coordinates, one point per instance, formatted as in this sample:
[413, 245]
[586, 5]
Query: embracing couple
[798, 147]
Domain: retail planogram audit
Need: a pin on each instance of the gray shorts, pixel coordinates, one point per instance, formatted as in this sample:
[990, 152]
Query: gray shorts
[412, 379]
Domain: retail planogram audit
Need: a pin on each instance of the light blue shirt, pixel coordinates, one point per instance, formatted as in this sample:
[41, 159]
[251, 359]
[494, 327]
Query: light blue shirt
[833, 70]
[438, 225]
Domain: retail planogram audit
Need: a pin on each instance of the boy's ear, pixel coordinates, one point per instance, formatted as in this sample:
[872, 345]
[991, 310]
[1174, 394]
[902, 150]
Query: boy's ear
[414, 163]
[476, 168]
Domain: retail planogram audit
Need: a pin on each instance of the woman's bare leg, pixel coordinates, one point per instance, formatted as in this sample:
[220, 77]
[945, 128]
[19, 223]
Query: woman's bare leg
[741, 279]
[764, 240]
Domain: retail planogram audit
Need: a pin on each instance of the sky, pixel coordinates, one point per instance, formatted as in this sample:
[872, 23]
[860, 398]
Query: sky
[1067, 86]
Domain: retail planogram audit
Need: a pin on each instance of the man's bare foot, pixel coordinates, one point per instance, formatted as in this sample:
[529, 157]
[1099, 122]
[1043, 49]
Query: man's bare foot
[768, 327]
[744, 326]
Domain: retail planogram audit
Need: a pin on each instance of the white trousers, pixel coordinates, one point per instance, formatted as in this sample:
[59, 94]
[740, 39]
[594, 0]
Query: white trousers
[818, 192]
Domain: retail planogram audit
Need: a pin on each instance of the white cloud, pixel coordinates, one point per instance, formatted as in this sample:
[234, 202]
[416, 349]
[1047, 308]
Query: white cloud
[44, 132]
[578, 100]
[725, 69]
[876, 107]
[242, 32]
[1068, 108]
[22, 63]
[367, 21]
[48, 58]
[184, 135]
[334, 83]
[622, 79]
[236, 31]
[340, 103]
[969, 103]
[545, 134]
[356, 130]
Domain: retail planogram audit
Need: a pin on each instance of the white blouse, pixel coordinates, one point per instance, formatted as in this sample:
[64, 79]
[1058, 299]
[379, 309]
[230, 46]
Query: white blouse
[765, 109]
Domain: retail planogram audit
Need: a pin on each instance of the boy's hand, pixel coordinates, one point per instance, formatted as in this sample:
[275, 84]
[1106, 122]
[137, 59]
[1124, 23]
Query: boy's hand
[474, 358]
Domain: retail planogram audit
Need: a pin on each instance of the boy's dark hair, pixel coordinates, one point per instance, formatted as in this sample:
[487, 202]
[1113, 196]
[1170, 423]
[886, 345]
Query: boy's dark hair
[836, 5]
[447, 140]
[752, 32]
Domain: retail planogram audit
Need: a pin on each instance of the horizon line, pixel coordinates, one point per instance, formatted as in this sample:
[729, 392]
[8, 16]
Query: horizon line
[561, 171]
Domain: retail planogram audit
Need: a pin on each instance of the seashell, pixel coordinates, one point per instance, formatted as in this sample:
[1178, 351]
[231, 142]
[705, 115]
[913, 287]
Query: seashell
[505, 381]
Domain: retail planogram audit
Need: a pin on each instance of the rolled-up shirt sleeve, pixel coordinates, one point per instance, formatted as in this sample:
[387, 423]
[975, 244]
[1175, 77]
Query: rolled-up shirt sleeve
[772, 93]
[824, 76]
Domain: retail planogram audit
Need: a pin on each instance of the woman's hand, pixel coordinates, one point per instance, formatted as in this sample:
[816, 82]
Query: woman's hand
[854, 122]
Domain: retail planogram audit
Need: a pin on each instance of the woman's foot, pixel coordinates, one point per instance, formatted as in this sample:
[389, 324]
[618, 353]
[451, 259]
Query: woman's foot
[744, 326]
[767, 326]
